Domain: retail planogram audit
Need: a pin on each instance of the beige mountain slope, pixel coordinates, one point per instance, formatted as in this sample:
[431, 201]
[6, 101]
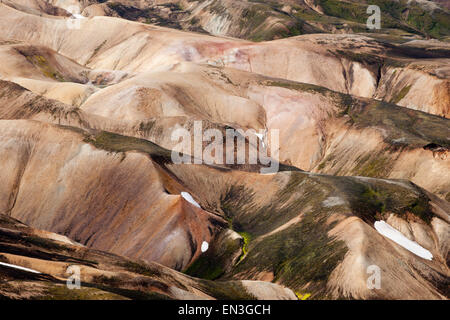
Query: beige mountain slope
[39, 63]
[103, 275]
[104, 195]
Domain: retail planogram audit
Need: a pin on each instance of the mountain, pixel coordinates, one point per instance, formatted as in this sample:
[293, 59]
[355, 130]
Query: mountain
[261, 20]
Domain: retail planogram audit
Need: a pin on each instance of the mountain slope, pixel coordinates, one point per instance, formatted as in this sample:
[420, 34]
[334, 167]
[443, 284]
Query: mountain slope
[104, 276]
[404, 74]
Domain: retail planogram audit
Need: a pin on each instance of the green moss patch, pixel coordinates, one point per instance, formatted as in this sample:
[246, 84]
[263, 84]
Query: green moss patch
[399, 97]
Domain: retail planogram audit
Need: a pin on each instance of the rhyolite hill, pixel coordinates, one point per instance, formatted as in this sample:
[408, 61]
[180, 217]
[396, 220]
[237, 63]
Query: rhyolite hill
[86, 117]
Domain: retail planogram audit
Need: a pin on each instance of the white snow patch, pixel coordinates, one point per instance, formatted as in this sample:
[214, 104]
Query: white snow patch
[205, 246]
[18, 267]
[396, 236]
[189, 199]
